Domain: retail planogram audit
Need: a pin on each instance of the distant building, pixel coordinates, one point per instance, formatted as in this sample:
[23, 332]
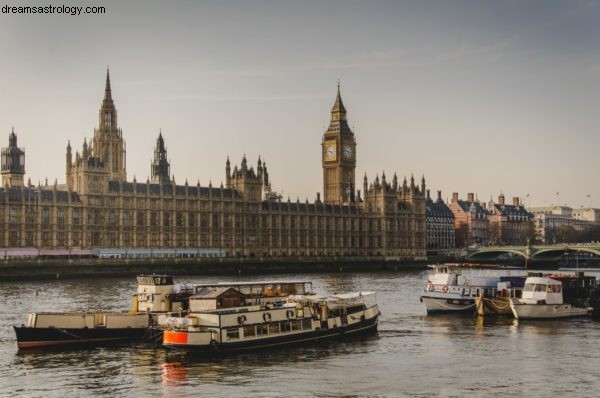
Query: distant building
[440, 224]
[588, 214]
[510, 224]
[472, 223]
[549, 219]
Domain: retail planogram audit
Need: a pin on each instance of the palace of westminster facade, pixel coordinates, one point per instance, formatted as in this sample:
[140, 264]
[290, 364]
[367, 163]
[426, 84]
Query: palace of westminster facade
[98, 207]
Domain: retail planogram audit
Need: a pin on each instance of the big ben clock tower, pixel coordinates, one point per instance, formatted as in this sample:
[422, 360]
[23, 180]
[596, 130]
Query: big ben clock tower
[338, 156]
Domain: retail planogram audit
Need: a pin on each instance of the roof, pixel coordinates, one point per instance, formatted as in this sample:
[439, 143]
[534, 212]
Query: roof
[33, 194]
[210, 293]
[438, 209]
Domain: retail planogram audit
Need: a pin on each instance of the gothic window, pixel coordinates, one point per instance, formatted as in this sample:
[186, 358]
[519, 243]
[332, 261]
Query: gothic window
[45, 215]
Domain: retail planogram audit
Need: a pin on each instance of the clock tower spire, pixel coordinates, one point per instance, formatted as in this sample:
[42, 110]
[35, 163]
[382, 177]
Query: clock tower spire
[338, 156]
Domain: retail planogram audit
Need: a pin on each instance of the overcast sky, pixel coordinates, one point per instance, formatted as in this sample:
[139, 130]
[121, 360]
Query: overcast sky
[479, 96]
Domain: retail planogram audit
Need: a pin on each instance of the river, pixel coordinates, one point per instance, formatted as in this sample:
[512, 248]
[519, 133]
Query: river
[412, 354]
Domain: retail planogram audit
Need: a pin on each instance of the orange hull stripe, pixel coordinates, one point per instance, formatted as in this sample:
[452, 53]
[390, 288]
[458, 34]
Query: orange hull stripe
[171, 337]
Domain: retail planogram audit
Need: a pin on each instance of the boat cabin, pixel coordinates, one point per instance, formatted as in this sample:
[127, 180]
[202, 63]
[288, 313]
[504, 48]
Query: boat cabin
[542, 290]
[209, 299]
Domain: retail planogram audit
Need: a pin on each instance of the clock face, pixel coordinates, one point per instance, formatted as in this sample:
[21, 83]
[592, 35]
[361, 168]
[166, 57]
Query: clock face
[330, 151]
[348, 152]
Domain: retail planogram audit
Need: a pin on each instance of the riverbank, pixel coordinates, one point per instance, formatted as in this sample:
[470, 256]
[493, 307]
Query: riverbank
[33, 269]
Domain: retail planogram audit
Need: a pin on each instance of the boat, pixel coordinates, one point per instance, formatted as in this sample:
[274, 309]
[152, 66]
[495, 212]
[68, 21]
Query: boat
[222, 320]
[155, 294]
[497, 301]
[453, 287]
[543, 297]
[156, 299]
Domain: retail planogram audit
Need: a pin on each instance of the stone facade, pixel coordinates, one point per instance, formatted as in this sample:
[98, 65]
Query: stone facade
[98, 207]
[440, 224]
[510, 224]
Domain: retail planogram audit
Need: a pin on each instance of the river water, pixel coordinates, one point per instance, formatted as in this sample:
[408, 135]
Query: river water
[412, 354]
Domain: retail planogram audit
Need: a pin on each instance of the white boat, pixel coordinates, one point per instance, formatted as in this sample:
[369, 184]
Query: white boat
[543, 299]
[454, 287]
[223, 320]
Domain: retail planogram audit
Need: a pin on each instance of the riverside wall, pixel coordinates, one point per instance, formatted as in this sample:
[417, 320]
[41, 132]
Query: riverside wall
[38, 269]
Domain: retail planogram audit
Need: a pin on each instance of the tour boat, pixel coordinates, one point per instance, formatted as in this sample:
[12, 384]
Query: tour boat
[454, 287]
[157, 298]
[543, 299]
[222, 320]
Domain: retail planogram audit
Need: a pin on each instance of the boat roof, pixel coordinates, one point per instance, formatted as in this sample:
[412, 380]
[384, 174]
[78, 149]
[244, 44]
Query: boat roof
[542, 280]
[208, 293]
[276, 282]
[465, 265]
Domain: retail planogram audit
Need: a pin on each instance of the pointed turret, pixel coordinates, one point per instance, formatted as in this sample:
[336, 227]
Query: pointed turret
[13, 163]
[108, 112]
[338, 112]
[160, 168]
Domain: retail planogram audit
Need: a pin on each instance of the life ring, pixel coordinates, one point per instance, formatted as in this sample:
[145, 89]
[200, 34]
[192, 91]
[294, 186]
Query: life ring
[445, 289]
[290, 314]
[242, 319]
[214, 344]
[267, 316]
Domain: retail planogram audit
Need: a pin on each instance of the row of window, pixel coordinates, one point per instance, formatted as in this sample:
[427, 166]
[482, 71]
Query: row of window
[270, 329]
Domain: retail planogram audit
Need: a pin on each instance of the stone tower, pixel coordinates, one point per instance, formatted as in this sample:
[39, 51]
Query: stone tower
[13, 163]
[108, 144]
[161, 170]
[338, 156]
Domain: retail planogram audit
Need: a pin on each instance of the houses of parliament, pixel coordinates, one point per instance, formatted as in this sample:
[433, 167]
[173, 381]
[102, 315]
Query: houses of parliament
[98, 207]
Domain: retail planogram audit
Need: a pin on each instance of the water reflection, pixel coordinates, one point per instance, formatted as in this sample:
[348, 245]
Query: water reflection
[412, 354]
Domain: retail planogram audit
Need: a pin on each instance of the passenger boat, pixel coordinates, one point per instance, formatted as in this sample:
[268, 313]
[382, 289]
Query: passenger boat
[454, 287]
[223, 320]
[543, 299]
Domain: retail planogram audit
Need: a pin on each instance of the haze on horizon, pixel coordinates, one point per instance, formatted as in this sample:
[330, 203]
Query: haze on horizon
[483, 97]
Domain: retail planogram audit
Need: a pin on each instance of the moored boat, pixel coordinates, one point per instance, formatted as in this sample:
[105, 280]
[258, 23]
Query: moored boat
[156, 299]
[454, 287]
[543, 299]
[237, 325]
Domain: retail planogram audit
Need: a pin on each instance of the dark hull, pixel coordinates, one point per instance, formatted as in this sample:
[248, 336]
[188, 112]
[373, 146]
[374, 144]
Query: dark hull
[368, 326]
[79, 337]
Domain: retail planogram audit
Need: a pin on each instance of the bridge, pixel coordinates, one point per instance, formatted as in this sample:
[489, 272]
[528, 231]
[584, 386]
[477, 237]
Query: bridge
[533, 252]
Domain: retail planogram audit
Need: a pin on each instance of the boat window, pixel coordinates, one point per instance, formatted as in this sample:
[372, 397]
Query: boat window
[249, 331]
[306, 324]
[540, 287]
[261, 330]
[296, 325]
[528, 287]
[273, 328]
[233, 334]
[558, 288]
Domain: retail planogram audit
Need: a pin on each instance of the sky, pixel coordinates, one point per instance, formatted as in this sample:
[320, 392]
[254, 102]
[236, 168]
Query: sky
[479, 96]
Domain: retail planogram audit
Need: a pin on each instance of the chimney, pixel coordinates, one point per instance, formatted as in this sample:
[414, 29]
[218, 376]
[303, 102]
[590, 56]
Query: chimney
[454, 197]
[516, 201]
[428, 197]
[439, 198]
[501, 199]
[470, 197]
